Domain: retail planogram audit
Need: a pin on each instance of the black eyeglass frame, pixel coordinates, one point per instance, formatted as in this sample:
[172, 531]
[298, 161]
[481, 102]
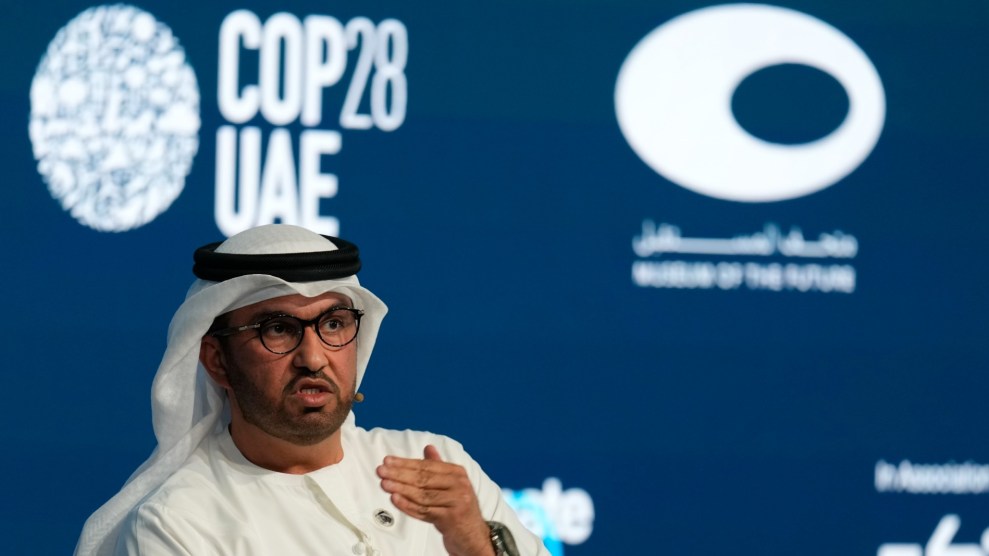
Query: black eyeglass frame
[313, 323]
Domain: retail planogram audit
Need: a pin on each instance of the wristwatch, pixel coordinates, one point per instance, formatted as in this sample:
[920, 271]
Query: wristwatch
[502, 540]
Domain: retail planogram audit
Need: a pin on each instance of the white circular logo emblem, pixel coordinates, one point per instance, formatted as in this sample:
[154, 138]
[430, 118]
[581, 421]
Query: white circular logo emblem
[114, 117]
[673, 102]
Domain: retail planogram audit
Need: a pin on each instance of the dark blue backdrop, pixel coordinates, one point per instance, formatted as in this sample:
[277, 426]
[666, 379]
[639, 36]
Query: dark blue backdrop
[497, 222]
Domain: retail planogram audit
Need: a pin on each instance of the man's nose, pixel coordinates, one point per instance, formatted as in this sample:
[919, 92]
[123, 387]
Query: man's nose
[311, 353]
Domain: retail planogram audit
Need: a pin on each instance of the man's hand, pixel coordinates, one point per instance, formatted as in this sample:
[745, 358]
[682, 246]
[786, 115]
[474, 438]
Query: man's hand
[440, 493]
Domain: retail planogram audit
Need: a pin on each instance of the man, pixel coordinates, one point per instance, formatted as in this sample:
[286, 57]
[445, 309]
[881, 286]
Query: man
[258, 452]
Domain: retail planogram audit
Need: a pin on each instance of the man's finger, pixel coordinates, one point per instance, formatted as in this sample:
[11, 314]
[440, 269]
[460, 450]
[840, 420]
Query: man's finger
[412, 463]
[424, 497]
[421, 477]
[409, 507]
[430, 452]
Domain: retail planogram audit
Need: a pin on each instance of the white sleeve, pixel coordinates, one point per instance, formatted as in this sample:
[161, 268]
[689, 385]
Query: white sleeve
[493, 504]
[154, 530]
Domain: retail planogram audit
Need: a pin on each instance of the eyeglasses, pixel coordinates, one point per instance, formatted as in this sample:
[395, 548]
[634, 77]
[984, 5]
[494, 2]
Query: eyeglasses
[336, 327]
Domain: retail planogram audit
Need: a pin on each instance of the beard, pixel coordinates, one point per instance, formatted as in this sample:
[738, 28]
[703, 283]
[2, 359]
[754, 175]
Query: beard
[312, 426]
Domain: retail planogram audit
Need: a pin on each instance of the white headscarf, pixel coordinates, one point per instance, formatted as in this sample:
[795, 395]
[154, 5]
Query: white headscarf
[186, 405]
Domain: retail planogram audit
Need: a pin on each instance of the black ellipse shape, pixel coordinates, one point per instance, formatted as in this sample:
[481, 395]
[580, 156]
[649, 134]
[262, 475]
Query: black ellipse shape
[789, 104]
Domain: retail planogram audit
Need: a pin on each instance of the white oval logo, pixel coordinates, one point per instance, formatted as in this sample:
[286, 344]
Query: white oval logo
[114, 117]
[673, 102]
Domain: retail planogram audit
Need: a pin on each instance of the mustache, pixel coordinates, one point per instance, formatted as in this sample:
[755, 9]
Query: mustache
[318, 375]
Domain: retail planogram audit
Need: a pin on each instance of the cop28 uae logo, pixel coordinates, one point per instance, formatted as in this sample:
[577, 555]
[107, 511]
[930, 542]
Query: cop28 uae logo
[673, 102]
[114, 117]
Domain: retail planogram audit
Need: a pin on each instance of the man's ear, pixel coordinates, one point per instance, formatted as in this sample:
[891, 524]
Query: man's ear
[212, 358]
